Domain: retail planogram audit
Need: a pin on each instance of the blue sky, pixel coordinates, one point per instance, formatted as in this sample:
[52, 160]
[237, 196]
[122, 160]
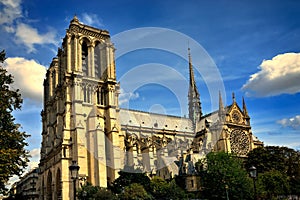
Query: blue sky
[254, 45]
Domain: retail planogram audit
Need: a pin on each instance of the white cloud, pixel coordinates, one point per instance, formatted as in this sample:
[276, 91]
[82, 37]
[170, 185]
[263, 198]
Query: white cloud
[30, 36]
[293, 122]
[28, 77]
[91, 19]
[125, 97]
[11, 11]
[10, 16]
[281, 75]
[35, 159]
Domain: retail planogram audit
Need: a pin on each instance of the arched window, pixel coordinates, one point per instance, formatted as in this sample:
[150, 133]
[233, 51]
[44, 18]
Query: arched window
[84, 58]
[88, 94]
[53, 80]
[84, 93]
[98, 96]
[49, 186]
[58, 185]
[97, 61]
[73, 46]
[103, 98]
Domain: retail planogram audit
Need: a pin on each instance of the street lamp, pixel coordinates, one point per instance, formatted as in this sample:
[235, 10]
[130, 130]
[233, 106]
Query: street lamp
[74, 168]
[253, 175]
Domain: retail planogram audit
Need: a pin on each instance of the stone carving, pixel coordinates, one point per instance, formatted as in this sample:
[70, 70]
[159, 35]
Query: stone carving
[101, 34]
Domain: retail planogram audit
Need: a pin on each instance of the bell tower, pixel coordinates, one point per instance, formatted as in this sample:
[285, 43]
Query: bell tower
[80, 115]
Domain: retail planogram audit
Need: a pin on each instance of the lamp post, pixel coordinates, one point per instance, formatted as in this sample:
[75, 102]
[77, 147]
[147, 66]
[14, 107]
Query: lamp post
[74, 168]
[253, 175]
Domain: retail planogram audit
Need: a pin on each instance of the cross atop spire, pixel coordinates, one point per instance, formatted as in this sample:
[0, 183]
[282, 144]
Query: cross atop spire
[195, 111]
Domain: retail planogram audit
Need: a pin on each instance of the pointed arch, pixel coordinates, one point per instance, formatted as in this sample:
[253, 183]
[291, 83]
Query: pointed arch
[49, 186]
[97, 59]
[85, 43]
[58, 184]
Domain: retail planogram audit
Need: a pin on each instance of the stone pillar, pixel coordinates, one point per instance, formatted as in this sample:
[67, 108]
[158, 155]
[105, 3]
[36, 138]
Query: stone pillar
[101, 156]
[91, 64]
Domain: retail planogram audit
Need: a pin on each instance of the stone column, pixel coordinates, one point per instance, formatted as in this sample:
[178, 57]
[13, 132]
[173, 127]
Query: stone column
[77, 53]
[91, 64]
[68, 53]
[101, 156]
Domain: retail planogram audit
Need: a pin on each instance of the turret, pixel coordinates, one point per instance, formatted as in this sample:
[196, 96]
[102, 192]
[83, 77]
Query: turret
[245, 111]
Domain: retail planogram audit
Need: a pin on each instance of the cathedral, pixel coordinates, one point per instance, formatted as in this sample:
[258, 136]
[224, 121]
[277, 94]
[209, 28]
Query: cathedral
[83, 123]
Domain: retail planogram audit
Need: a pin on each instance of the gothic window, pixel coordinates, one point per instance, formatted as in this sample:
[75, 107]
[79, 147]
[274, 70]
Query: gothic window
[58, 185]
[103, 99]
[53, 81]
[97, 61]
[84, 58]
[86, 94]
[98, 96]
[73, 46]
[49, 186]
[239, 142]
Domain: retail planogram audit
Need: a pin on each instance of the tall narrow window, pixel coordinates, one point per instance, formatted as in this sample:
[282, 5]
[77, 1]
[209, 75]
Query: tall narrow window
[53, 81]
[84, 93]
[97, 61]
[88, 93]
[73, 52]
[98, 96]
[103, 101]
[84, 58]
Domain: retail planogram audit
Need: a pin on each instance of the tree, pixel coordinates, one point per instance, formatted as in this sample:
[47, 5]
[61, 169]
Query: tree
[135, 191]
[161, 189]
[273, 183]
[88, 191]
[283, 160]
[13, 156]
[128, 177]
[223, 176]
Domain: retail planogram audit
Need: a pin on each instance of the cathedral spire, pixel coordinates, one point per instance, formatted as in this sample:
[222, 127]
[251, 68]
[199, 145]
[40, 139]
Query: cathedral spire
[195, 111]
[245, 108]
[221, 106]
[233, 97]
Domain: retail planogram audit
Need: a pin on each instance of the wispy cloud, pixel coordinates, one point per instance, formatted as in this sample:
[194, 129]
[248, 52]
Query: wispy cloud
[293, 122]
[30, 36]
[91, 19]
[280, 75]
[28, 77]
[11, 16]
[125, 97]
[11, 10]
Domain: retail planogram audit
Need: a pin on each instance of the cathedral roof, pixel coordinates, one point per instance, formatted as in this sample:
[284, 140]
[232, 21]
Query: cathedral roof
[155, 121]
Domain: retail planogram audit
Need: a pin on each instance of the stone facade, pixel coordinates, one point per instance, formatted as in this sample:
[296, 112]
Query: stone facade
[82, 122]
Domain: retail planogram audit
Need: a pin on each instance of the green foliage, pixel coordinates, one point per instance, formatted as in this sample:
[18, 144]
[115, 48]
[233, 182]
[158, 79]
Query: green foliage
[126, 178]
[161, 189]
[89, 191]
[223, 175]
[276, 165]
[269, 158]
[271, 184]
[13, 156]
[135, 191]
